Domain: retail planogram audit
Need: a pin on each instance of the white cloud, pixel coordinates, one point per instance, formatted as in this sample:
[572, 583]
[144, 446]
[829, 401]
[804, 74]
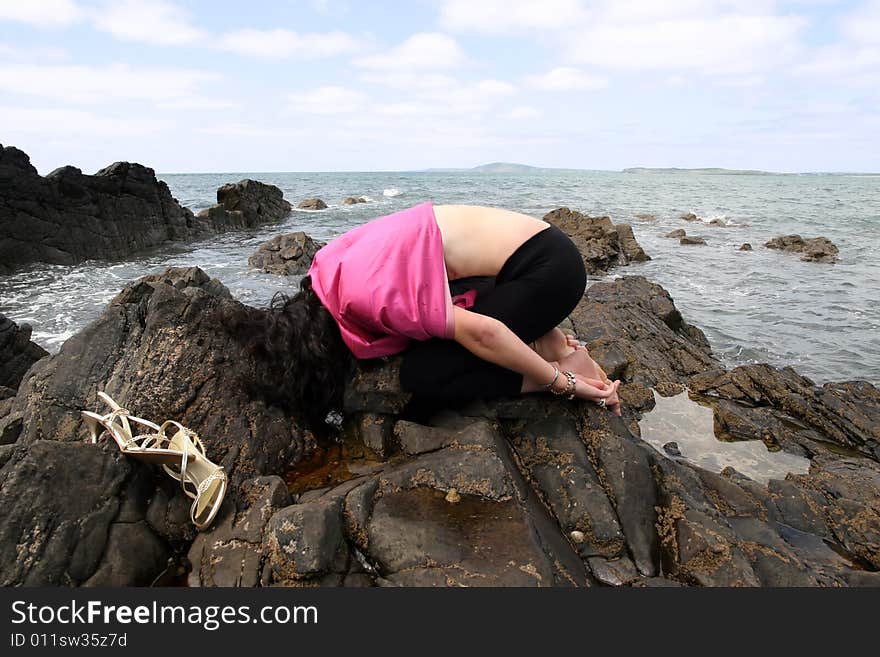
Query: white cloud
[426, 51]
[855, 58]
[280, 43]
[251, 131]
[148, 21]
[327, 100]
[523, 112]
[196, 102]
[509, 16]
[725, 44]
[863, 25]
[117, 82]
[42, 13]
[54, 121]
[33, 53]
[409, 80]
[566, 78]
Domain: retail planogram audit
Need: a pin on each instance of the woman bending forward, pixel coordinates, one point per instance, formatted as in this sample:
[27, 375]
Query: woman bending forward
[386, 287]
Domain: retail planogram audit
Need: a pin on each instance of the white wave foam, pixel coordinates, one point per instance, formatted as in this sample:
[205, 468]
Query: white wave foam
[391, 191]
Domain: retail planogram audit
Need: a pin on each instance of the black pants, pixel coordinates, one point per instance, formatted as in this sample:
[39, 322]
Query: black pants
[538, 287]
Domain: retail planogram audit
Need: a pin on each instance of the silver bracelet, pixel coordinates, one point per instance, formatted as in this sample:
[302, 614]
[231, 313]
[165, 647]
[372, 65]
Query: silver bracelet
[570, 387]
[547, 386]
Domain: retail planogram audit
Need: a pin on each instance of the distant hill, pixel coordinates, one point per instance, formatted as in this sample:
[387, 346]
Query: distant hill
[707, 171]
[506, 167]
[499, 167]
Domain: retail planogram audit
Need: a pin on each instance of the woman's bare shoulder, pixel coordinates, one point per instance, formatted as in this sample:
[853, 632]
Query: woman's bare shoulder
[471, 214]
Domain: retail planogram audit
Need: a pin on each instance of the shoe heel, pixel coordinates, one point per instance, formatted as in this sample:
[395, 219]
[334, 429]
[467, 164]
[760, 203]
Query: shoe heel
[92, 423]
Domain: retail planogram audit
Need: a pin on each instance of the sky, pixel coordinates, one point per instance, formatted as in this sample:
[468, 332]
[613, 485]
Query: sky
[334, 85]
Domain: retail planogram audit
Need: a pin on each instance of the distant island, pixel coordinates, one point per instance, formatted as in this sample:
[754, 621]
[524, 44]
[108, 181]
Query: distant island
[503, 167]
[515, 168]
[706, 171]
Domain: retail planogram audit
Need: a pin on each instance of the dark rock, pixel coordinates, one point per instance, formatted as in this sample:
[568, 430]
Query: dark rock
[638, 319]
[67, 217]
[815, 249]
[230, 553]
[689, 216]
[302, 541]
[63, 521]
[289, 254]
[158, 351]
[614, 572]
[718, 222]
[352, 200]
[789, 407]
[554, 459]
[602, 244]
[690, 239]
[17, 352]
[623, 464]
[745, 247]
[312, 204]
[678, 232]
[631, 249]
[375, 430]
[245, 204]
[671, 448]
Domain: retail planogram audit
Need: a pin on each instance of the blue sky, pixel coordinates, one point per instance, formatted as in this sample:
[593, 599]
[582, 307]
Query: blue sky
[324, 85]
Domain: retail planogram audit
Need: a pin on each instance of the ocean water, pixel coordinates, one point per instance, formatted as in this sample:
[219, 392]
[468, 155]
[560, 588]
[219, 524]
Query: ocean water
[757, 306]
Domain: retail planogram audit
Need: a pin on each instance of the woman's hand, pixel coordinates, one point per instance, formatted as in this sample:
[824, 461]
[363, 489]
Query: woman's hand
[592, 390]
[579, 361]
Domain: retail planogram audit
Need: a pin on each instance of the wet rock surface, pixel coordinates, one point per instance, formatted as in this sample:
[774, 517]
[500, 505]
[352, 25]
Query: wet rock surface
[814, 249]
[67, 217]
[527, 491]
[245, 204]
[17, 353]
[157, 351]
[289, 254]
[312, 204]
[602, 244]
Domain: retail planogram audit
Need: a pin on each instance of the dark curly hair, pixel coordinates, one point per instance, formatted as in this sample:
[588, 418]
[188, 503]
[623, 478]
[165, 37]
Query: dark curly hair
[302, 362]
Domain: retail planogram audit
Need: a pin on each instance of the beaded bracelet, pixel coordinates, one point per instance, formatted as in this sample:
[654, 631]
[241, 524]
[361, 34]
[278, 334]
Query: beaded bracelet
[570, 387]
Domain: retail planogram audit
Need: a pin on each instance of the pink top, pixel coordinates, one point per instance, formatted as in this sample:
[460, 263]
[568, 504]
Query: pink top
[385, 283]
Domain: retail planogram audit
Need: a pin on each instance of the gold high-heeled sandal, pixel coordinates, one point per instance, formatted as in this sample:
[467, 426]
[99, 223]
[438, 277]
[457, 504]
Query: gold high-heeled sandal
[193, 467]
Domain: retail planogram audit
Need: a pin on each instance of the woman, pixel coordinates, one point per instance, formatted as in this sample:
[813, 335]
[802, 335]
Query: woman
[384, 288]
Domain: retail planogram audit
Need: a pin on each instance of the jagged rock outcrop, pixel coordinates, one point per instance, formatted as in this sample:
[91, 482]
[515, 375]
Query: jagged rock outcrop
[814, 249]
[66, 216]
[17, 354]
[634, 331]
[157, 350]
[678, 232]
[353, 200]
[246, 204]
[312, 204]
[289, 254]
[602, 243]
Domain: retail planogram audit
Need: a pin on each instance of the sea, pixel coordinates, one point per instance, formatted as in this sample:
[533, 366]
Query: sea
[754, 306]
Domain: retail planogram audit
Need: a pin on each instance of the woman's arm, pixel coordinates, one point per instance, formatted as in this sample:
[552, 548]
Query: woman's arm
[493, 341]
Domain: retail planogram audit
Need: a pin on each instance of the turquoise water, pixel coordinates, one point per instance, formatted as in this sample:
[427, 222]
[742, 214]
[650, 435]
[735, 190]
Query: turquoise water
[758, 306]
